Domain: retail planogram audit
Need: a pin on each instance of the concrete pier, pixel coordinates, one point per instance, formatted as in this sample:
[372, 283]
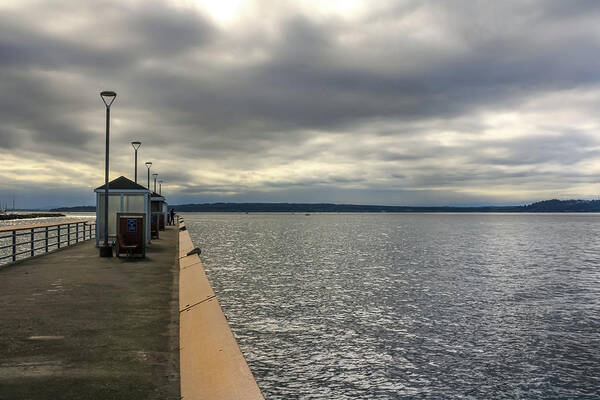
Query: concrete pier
[77, 326]
[212, 366]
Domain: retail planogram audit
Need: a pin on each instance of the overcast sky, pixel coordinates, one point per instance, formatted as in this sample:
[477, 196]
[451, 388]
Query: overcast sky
[372, 102]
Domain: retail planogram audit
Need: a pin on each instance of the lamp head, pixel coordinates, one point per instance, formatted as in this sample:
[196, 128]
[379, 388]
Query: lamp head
[136, 145]
[148, 164]
[108, 96]
[154, 175]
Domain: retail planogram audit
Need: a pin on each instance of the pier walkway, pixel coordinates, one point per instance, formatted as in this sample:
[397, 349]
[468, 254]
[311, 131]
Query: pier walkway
[77, 326]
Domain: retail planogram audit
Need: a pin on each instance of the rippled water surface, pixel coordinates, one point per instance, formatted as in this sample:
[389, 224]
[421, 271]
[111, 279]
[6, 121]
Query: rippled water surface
[394, 306]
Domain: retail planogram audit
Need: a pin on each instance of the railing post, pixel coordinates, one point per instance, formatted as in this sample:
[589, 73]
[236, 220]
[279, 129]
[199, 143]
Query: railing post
[46, 239]
[84, 231]
[32, 243]
[68, 235]
[14, 246]
[77, 232]
[58, 237]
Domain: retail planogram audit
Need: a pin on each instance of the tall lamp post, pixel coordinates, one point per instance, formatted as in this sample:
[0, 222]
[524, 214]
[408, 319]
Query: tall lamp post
[154, 176]
[136, 146]
[148, 165]
[160, 187]
[108, 97]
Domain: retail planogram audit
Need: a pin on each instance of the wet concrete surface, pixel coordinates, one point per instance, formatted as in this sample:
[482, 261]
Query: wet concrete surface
[77, 326]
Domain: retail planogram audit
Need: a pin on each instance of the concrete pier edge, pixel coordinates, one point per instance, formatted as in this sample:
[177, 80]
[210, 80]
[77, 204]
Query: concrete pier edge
[212, 366]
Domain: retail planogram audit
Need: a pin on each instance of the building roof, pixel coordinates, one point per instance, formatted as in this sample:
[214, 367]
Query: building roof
[157, 197]
[122, 183]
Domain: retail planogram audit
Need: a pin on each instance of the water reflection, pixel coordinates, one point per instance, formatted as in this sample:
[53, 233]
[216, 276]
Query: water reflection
[370, 306]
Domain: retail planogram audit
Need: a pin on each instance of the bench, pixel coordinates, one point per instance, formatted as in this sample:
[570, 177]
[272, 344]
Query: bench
[125, 246]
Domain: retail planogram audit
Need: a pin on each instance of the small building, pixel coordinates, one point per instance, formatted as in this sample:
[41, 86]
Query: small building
[124, 196]
[159, 207]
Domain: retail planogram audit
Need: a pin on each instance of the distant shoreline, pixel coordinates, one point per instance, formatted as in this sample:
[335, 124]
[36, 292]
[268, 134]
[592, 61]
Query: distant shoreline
[553, 206]
[9, 217]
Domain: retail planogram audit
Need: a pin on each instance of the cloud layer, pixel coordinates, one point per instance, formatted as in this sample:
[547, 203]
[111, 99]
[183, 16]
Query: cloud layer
[413, 102]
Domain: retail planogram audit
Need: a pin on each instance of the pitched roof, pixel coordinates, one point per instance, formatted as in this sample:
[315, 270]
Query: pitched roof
[122, 183]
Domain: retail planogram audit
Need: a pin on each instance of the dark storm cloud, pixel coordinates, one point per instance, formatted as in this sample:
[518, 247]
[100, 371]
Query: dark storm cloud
[164, 30]
[568, 147]
[302, 100]
[307, 81]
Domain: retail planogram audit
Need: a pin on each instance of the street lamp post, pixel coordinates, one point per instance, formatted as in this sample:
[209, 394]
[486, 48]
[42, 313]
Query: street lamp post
[154, 176]
[107, 97]
[148, 165]
[160, 187]
[136, 146]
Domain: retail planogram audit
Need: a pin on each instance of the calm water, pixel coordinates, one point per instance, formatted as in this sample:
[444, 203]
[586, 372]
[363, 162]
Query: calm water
[68, 216]
[393, 306]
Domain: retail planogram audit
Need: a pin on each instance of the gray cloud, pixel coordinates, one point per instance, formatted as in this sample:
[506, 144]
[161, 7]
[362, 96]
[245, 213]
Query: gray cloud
[397, 101]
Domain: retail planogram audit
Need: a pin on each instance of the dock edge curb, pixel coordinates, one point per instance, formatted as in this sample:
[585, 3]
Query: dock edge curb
[212, 367]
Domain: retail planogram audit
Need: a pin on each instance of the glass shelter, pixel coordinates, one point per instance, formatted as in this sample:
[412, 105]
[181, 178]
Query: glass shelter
[159, 208]
[124, 196]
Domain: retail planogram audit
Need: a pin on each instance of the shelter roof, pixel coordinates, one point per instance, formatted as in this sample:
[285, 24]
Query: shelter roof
[122, 184]
[157, 197]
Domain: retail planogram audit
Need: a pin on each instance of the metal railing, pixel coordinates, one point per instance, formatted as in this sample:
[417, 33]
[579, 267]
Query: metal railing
[19, 242]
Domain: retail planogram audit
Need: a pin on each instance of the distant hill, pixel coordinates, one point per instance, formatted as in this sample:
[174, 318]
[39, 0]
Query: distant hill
[541, 206]
[562, 206]
[318, 207]
[75, 209]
